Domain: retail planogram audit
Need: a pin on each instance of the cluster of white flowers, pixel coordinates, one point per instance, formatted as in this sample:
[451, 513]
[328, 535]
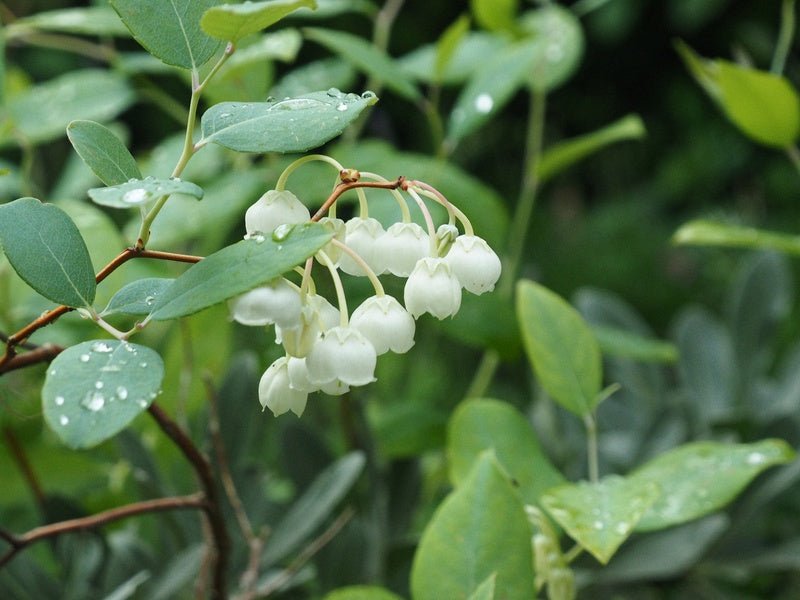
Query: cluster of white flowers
[328, 350]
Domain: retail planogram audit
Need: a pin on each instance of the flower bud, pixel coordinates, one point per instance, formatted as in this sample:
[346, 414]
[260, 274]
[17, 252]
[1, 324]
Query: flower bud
[277, 302]
[474, 263]
[385, 323]
[361, 237]
[276, 393]
[446, 234]
[343, 357]
[432, 288]
[273, 209]
[401, 246]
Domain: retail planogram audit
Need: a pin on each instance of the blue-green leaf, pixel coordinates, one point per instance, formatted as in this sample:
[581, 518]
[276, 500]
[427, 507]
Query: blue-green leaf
[137, 192]
[138, 297]
[103, 152]
[89, 20]
[290, 125]
[238, 268]
[232, 22]
[93, 390]
[47, 251]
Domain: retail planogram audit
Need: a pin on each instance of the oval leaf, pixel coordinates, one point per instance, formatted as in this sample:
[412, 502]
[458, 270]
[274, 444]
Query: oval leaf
[232, 22]
[290, 125]
[697, 479]
[495, 14]
[103, 152]
[479, 530]
[560, 346]
[702, 232]
[237, 269]
[169, 29]
[479, 425]
[367, 58]
[600, 516]
[559, 38]
[448, 44]
[93, 390]
[137, 192]
[47, 251]
[138, 297]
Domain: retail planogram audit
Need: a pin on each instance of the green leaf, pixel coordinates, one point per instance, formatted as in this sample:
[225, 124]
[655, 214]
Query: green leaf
[103, 152]
[169, 29]
[764, 106]
[90, 20]
[138, 297]
[559, 38]
[135, 193]
[627, 344]
[700, 478]
[361, 592]
[702, 232]
[316, 75]
[480, 425]
[600, 516]
[560, 346]
[485, 591]
[238, 268]
[564, 154]
[498, 15]
[47, 251]
[290, 125]
[367, 58]
[479, 530]
[232, 22]
[313, 507]
[472, 50]
[43, 112]
[93, 390]
[448, 44]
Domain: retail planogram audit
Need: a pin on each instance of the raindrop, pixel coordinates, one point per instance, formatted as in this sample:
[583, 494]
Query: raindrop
[101, 347]
[334, 93]
[59, 400]
[598, 525]
[149, 300]
[142, 403]
[224, 115]
[122, 393]
[143, 364]
[132, 180]
[297, 104]
[622, 528]
[136, 196]
[52, 371]
[257, 238]
[111, 368]
[281, 232]
[341, 107]
[94, 401]
[756, 458]
[85, 358]
[98, 385]
[368, 95]
[484, 103]
[64, 420]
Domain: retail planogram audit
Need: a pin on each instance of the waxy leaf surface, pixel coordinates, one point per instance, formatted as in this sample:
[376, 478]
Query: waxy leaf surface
[103, 152]
[137, 192]
[138, 297]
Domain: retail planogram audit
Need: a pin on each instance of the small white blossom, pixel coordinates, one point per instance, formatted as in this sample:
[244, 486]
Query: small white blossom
[401, 246]
[339, 230]
[361, 237]
[277, 302]
[433, 288]
[276, 393]
[343, 357]
[273, 209]
[385, 323]
[316, 317]
[474, 263]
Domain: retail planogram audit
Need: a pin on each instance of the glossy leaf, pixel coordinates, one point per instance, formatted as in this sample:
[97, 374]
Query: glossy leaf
[138, 192]
[560, 346]
[474, 48]
[238, 268]
[478, 531]
[448, 44]
[627, 344]
[138, 297]
[170, 29]
[361, 592]
[699, 478]
[367, 58]
[564, 154]
[47, 251]
[103, 152]
[480, 425]
[95, 389]
[43, 112]
[232, 22]
[703, 232]
[313, 507]
[290, 125]
[89, 20]
[600, 516]
[495, 14]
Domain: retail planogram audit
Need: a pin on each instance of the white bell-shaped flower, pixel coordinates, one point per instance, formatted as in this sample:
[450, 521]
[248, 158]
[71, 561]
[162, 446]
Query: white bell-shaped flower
[316, 317]
[273, 209]
[276, 393]
[277, 302]
[474, 263]
[433, 288]
[298, 375]
[343, 357]
[339, 230]
[385, 323]
[361, 235]
[401, 246]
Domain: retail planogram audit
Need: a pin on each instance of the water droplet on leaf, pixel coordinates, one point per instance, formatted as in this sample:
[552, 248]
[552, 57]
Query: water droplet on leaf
[98, 385]
[94, 401]
[281, 232]
[334, 93]
[84, 358]
[63, 420]
[101, 347]
[136, 196]
[484, 103]
[341, 107]
[59, 400]
[122, 393]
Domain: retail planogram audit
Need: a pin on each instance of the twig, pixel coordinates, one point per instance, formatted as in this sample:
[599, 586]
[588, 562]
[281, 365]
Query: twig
[24, 465]
[351, 185]
[20, 542]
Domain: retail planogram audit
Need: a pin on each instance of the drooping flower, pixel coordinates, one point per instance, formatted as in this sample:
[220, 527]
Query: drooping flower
[385, 323]
[276, 302]
[276, 393]
[432, 288]
[401, 246]
[274, 208]
[343, 357]
[474, 263]
[316, 317]
[361, 235]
